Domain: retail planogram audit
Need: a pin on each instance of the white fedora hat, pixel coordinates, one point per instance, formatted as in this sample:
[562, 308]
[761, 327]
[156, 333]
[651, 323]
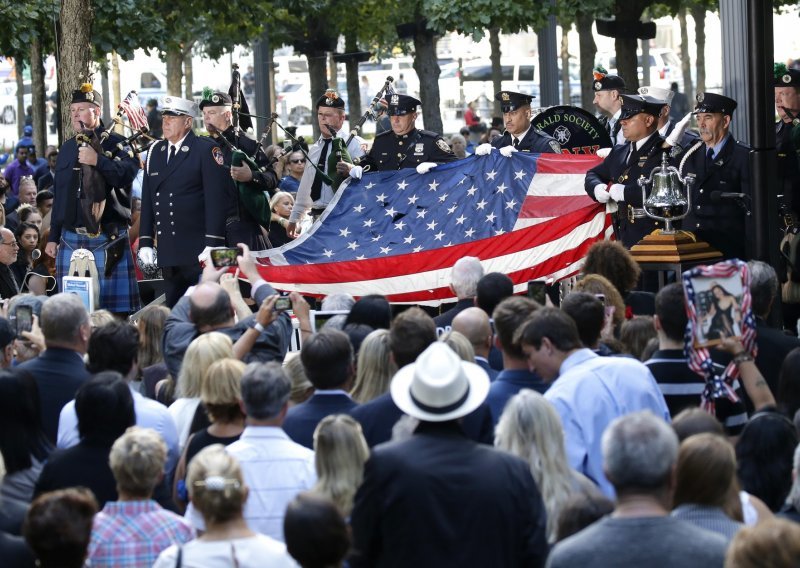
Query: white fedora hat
[439, 386]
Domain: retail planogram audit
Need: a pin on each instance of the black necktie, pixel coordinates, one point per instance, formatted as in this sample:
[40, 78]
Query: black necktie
[631, 159]
[171, 154]
[516, 142]
[316, 187]
[709, 157]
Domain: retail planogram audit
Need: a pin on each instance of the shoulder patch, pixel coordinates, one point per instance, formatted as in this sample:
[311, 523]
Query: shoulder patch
[443, 146]
[555, 146]
[216, 152]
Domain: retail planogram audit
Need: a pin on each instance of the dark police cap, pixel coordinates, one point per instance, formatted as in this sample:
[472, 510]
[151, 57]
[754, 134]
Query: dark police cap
[785, 77]
[330, 99]
[712, 102]
[86, 94]
[217, 98]
[509, 100]
[605, 82]
[637, 104]
[402, 104]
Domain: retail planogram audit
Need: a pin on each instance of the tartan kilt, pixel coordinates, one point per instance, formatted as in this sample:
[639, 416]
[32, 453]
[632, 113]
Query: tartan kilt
[119, 293]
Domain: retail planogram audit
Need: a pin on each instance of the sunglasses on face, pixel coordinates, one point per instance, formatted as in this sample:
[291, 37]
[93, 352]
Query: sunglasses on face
[300, 161]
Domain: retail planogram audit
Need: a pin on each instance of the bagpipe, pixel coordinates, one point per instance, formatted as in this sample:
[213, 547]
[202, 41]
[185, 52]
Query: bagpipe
[139, 139]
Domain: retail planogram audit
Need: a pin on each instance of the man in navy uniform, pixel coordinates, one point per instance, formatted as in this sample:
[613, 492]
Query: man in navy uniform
[251, 206]
[719, 166]
[405, 146]
[186, 196]
[103, 184]
[615, 179]
[520, 134]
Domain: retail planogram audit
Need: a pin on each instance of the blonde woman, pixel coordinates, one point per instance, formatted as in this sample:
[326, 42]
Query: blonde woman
[375, 368]
[219, 393]
[340, 452]
[459, 343]
[200, 354]
[217, 490]
[531, 429]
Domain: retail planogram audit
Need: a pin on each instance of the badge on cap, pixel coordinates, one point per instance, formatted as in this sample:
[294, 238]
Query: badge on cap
[168, 100]
[598, 85]
[504, 96]
[330, 97]
[214, 98]
[700, 97]
[643, 91]
[90, 96]
[395, 100]
[786, 78]
[217, 153]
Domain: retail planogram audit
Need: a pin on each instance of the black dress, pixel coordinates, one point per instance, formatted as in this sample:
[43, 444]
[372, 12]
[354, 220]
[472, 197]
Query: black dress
[203, 439]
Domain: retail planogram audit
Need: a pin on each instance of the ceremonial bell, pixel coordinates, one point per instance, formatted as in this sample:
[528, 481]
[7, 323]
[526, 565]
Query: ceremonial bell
[667, 201]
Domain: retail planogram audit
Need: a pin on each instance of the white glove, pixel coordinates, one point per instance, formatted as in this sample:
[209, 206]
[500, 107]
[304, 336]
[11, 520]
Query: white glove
[603, 152]
[425, 167]
[147, 256]
[483, 149]
[601, 194]
[617, 192]
[356, 172]
[205, 255]
[679, 130]
[508, 150]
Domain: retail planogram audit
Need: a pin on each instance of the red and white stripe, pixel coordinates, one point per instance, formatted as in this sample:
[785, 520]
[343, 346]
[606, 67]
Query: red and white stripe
[133, 110]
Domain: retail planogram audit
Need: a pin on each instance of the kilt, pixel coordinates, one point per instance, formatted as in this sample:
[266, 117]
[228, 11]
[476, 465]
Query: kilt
[119, 293]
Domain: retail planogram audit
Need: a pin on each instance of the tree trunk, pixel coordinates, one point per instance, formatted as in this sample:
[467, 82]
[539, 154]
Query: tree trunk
[115, 85]
[565, 95]
[333, 72]
[427, 68]
[497, 69]
[74, 44]
[627, 64]
[38, 97]
[105, 90]
[351, 72]
[686, 62]
[588, 51]
[19, 65]
[699, 16]
[188, 70]
[317, 78]
[174, 70]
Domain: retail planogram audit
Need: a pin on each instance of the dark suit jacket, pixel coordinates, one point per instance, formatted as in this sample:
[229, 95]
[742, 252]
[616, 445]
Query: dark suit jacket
[445, 320]
[616, 169]
[58, 373]
[535, 140]
[9, 287]
[484, 364]
[14, 552]
[302, 420]
[83, 465]
[378, 417]
[439, 499]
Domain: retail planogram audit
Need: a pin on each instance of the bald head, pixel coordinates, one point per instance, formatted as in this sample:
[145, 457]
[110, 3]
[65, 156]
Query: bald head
[210, 307]
[473, 323]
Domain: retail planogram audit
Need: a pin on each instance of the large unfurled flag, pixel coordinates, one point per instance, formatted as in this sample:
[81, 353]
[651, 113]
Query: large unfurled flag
[399, 233]
[137, 119]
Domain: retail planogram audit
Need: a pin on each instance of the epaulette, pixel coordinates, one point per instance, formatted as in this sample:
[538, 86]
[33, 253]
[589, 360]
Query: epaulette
[429, 133]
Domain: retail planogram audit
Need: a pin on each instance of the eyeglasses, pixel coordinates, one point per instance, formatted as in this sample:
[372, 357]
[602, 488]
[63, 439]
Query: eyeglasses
[11, 244]
[300, 161]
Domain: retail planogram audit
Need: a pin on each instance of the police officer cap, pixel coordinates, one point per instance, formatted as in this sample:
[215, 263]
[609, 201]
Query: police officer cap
[605, 82]
[217, 98]
[785, 77]
[712, 102]
[658, 93]
[86, 94]
[637, 104]
[402, 104]
[330, 99]
[510, 100]
[174, 106]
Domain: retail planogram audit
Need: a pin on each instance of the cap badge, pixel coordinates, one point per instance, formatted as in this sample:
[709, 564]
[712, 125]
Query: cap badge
[395, 100]
[90, 96]
[643, 91]
[598, 85]
[504, 96]
[786, 78]
[168, 100]
[700, 97]
[214, 98]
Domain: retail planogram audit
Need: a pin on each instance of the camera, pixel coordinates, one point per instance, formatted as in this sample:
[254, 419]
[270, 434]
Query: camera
[282, 304]
[224, 257]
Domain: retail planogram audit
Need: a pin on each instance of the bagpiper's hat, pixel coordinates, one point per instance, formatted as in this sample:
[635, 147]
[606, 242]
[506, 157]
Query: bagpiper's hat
[402, 104]
[509, 100]
[637, 104]
[712, 102]
[330, 99]
[605, 82]
[215, 98]
[658, 93]
[86, 94]
[174, 106]
[785, 77]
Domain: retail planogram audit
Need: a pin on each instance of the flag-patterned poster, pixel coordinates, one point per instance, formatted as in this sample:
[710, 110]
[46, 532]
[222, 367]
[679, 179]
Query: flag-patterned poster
[399, 233]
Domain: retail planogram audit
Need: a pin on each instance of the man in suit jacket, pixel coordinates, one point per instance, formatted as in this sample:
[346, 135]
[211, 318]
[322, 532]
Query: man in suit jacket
[60, 370]
[473, 323]
[719, 165]
[464, 277]
[615, 179]
[438, 498]
[187, 197]
[411, 333]
[327, 359]
[9, 248]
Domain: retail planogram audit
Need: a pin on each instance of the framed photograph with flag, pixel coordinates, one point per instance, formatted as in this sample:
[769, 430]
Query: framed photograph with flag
[718, 306]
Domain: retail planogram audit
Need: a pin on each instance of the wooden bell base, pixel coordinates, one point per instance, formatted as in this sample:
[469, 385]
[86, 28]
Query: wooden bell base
[677, 248]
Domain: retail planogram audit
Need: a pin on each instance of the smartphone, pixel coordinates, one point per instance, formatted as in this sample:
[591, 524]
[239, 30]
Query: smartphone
[24, 319]
[223, 257]
[282, 304]
[537, 291]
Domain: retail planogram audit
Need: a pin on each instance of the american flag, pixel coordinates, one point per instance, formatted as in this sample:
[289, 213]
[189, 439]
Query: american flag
[133, 110]
[399, 233]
